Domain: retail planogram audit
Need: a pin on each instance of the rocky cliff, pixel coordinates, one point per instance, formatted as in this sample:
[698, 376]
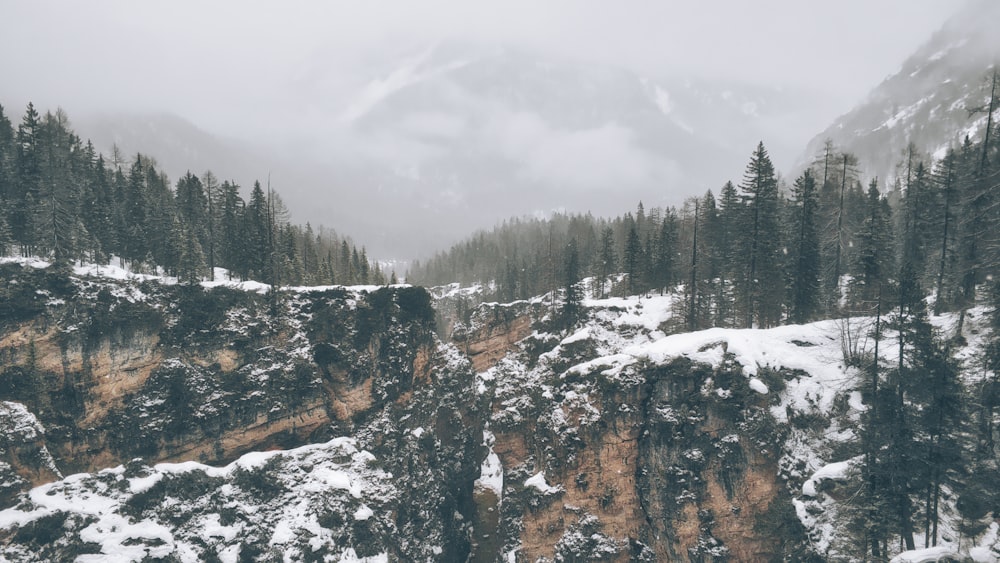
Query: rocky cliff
[336, 424]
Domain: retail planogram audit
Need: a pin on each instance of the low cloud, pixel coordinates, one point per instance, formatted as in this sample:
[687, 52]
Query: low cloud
[603, 157]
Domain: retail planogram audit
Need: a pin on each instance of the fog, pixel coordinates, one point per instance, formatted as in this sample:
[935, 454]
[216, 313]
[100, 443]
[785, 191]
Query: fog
[380, 119]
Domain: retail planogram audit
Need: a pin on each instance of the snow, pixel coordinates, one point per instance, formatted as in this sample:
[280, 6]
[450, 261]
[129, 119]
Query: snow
[408, 74]
[143, 484]
[903, 114]
[309, 475]
[491, 470]
[17, 421]
[33, 262]
[831, 472]
[454, 290]
[758, 386]
[212, 527]
[927, 555]
[579, 336]
[537, 481]
[114, 271]
[363, 513]
[662, 99]
[351, 556]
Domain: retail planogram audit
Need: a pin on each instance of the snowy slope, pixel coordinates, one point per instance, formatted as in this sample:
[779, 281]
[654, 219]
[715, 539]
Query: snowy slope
[927, 101]
[317, 499]
[625, 392]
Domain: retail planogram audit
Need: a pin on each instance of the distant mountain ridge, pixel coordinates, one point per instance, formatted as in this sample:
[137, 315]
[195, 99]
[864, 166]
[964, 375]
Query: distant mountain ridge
[455, 137]
[929, 101]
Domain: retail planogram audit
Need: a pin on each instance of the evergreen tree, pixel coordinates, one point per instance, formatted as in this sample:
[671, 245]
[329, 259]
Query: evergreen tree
[874, 256]
[665, 271]
[346, 269]
[212, 200]
[762, 282]
[978, 201]
[233, 244]
[258, 235]
[192, 206]
[28, 185]
[840, 176]
[364, 268]
[310, 259]
[944, 178]
[98, 207]
[608, 261]
[632, 259]
[731, 212]
[132, 229]
[164, 249]
[918, 221]
[571, 277]
[692, 288]
[7, 161]
[191, 260]
[806, 251]
[56, 218]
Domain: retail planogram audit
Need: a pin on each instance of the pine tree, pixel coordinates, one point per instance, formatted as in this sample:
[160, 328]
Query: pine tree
[212, 200]
[762, 282]
[944, 178]
[875, 255]
[608, 262]
[97, 208]
[693, 280]
[666, 251]
[310, 258]
[28, 185]
[346, 266]
[632, 259]
[56, 219]
[364, 268]
[571, 279]
[806, 251]
[259, 236]
[840, 173]
[192, 206]
[132, 232]
[918, 221]
[232, 244]
[164, 249]
[7, 160]
[191, 259]
[731, 212]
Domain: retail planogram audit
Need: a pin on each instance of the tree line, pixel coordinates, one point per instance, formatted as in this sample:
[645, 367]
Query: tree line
[762, 254]
[63, 200]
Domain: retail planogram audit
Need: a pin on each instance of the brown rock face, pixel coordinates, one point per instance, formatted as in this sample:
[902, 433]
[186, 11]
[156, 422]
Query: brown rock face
[651, 466]
[189, 374]
[498, 330]
[640, 465]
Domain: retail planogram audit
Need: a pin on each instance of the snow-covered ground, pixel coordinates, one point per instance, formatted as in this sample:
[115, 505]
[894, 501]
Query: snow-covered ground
[619, 338]
[222, 277]
[282, 495]
[622, 336]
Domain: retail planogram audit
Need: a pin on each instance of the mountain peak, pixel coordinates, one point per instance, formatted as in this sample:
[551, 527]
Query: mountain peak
[926, 102]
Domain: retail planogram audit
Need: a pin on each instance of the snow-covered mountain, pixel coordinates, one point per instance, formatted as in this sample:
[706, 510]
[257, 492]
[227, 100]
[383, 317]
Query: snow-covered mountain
[489, 132]
[929, 101]
[435, 142]
[164, 405]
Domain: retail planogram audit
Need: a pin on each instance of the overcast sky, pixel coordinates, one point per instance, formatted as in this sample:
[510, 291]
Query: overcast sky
[211, 61]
